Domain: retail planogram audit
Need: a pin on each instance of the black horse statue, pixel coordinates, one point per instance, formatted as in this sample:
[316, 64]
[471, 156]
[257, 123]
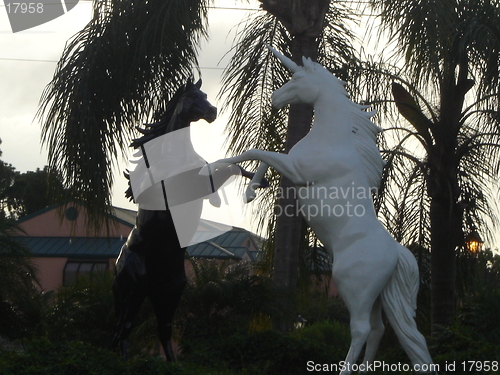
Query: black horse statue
[151, 262]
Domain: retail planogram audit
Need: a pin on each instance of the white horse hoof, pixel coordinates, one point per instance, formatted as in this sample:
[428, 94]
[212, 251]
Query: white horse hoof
[250, 195]
[214, 200]
[205, 171]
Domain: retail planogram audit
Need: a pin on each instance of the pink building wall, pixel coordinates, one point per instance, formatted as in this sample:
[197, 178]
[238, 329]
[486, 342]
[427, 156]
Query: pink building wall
[50, 272]
[53, 223]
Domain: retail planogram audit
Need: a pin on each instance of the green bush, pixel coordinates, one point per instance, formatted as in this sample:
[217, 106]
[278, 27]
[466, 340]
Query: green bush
[43, 357]
[84, 311]
[272, 352]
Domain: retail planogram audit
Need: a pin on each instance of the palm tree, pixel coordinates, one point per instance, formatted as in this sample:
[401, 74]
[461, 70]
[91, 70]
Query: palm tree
[314, 29]
[444, 166]
[120, 70]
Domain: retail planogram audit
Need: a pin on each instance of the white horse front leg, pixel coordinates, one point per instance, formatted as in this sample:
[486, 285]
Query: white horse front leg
[255, 183]
[283, 163]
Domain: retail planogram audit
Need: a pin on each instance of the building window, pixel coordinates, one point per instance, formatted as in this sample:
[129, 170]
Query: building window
[75, 268]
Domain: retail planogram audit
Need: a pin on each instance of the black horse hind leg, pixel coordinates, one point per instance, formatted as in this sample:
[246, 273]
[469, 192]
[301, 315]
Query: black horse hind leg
[165, 305]
[167, 279]
[129, 290]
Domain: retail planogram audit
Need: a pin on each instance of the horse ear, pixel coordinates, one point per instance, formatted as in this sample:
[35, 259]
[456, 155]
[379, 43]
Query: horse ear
[189, 84]
[307, 62]
[198, 84]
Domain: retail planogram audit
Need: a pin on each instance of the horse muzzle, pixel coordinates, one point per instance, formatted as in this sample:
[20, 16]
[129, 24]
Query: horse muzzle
[277, 100]
[210, 114]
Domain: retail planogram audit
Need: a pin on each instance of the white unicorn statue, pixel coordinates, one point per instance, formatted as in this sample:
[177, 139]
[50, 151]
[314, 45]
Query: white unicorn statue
[335, 168]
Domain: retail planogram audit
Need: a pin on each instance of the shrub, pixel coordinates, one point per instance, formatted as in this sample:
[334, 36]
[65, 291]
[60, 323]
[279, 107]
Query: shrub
[42, 357]
[272, 352]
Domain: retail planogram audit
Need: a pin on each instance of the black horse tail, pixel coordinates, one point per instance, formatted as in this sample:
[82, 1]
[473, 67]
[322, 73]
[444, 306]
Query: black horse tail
[129, 193]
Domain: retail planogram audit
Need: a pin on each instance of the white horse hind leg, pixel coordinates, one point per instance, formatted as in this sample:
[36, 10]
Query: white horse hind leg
[376, 333]
[360, 330]
[360, 304]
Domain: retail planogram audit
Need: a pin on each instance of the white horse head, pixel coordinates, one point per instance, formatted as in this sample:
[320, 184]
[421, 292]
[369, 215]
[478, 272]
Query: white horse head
[315, 85]
[307, 83]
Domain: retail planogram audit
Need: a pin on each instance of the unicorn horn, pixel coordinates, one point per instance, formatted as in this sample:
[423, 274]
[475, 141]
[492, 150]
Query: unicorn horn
[285, 60]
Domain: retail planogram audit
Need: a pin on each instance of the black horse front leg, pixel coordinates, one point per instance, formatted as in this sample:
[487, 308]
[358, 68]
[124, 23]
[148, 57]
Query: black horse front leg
[165, 302]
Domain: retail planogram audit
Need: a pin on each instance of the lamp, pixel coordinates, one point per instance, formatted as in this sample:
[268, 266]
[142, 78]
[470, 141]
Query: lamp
[300, 322]
[474, 242]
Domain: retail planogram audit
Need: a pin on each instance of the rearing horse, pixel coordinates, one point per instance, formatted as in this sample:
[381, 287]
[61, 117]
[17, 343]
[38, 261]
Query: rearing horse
[335, 167]
[151, 262]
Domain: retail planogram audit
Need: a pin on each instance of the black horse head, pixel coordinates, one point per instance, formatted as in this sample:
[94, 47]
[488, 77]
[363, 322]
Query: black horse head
[193, 105]
[189, 104]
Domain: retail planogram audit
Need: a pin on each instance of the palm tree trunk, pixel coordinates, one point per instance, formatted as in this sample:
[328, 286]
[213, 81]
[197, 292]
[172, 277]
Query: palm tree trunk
[443, 269]
[446, 216]
[289, 223]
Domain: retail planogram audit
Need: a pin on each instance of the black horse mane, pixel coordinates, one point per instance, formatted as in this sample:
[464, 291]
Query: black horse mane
[154, 130]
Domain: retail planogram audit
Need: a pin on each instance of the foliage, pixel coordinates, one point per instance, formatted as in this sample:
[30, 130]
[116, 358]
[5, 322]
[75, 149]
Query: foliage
[20, 301]
[22, 194]
[42, 356]
[443, 152]
[272, 352]
[224, 326]
[83, 311]
[460, 343]
[221, 300]
[315, 306]
[7, 175]
[32, 191]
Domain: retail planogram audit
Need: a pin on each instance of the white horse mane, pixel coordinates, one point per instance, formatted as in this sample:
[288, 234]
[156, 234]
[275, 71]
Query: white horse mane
[364, 130]
[365, 133]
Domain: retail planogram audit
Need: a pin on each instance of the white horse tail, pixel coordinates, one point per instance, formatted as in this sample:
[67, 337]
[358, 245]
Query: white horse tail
[399, 301]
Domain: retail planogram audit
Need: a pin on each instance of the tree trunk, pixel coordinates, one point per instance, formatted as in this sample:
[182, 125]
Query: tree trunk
[289, 222]
[446, 213]
[443, 268]
[446, 216]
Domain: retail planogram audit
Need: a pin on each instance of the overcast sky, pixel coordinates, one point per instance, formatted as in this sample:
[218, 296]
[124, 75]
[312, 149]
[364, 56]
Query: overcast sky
[28, 61]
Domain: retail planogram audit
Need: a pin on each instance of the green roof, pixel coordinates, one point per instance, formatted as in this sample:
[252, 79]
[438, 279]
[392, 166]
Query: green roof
[229, 245]
[225, 246]
[73, 247]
